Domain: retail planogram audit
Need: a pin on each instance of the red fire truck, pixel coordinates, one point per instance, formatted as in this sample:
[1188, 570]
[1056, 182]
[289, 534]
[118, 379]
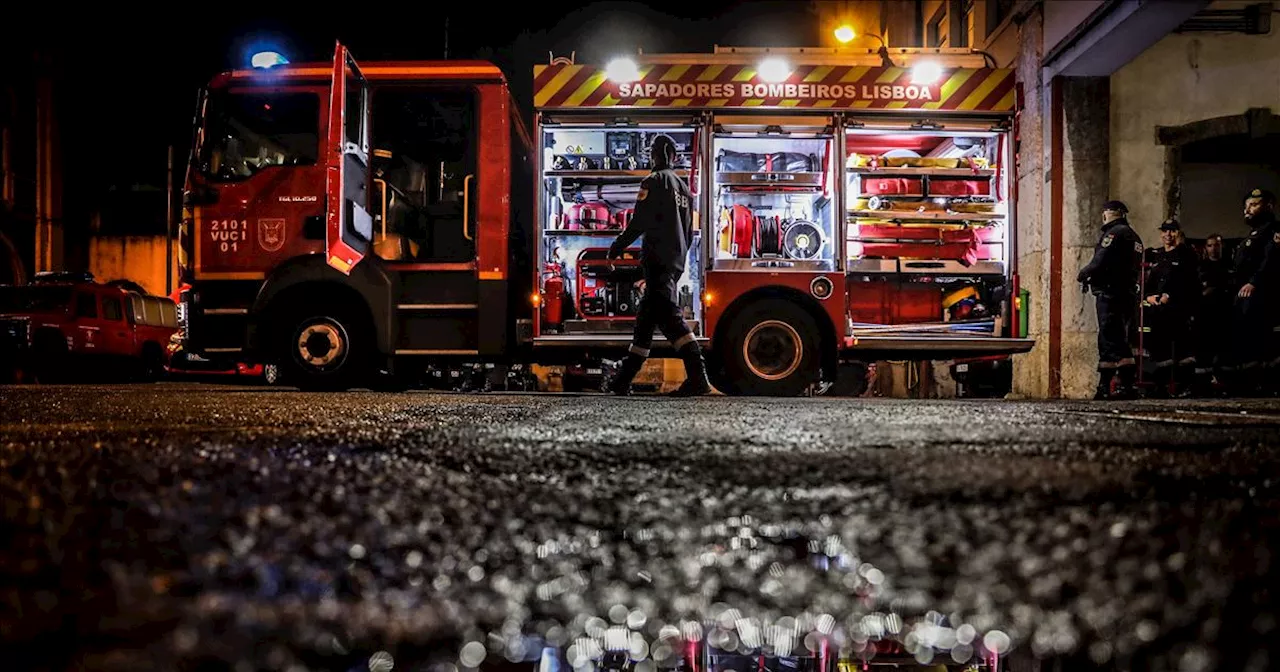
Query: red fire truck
[357, 222]
[66, 326]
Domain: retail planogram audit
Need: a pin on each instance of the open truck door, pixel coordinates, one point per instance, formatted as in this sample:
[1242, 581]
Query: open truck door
[349, 226]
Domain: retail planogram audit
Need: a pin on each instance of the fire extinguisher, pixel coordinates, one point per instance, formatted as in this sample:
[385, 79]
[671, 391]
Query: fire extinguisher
[552, 294]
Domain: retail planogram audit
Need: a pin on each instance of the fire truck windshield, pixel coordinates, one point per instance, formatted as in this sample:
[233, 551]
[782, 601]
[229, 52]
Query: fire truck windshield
[247, 132]
[34, 299]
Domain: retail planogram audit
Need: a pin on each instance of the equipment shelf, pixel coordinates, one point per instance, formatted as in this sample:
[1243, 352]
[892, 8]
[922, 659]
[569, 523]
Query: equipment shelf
[925, 172]
[927, 216]
[606, 174]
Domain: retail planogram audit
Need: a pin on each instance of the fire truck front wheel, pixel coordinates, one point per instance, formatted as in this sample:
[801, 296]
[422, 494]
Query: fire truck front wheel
[324, 349]
[772, 350]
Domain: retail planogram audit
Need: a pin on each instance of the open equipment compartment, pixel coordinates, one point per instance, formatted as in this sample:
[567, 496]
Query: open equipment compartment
[591, 170]
[774, 193]
[926, 242]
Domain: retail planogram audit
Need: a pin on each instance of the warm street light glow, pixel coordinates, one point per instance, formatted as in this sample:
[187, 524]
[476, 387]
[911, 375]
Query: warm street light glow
[926, 72]
[845, 34]
[774, 70]
[622, 70]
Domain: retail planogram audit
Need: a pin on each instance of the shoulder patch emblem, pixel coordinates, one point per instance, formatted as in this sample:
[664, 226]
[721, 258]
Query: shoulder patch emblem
[642, 194]
[1276, 238]
[1106, 240]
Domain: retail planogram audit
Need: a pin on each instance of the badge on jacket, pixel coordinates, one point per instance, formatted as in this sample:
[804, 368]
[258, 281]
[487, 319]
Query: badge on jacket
[1276, 238]
[640, 195]
[1106, 240]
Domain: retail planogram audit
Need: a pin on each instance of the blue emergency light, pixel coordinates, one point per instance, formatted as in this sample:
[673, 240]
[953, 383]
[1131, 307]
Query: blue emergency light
[268, 59]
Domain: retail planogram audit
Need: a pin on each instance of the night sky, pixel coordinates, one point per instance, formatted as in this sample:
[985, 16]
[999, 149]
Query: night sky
[129, 86]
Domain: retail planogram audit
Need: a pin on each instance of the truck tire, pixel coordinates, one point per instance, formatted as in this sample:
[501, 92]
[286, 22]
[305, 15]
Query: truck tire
[324, 348]
[771, 350]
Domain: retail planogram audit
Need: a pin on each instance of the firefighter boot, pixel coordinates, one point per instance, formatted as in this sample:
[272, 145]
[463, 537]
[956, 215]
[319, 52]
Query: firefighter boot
[1126, 388]
[695, 372]
[1104, 384]
[621, 383]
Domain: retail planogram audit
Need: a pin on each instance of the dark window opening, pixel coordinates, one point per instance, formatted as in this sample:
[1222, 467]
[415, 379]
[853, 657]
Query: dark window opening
[936, 34]
[424, 149]
[111, 309]
[247, 132]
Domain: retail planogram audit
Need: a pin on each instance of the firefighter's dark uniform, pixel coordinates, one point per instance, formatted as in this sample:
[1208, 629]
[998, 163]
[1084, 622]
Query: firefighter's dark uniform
[1257, 263]
[1167, 324]
[1213, 321]
[1112, 275]
[664, 217]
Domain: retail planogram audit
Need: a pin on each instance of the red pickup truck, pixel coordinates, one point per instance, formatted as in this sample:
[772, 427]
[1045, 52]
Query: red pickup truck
[62, 326]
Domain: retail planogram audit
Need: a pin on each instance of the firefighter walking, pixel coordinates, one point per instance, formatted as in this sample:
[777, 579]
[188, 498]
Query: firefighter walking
[1256, 274]
[1112, 275]
[1172, 291]
[664, 216]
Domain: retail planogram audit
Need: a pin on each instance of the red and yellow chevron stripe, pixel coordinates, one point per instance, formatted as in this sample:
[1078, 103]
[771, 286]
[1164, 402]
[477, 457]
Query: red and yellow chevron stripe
[809, 86]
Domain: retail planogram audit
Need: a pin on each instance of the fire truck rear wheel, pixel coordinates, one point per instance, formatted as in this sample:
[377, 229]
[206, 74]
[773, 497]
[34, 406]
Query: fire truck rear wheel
[772, 350]
[324, 348]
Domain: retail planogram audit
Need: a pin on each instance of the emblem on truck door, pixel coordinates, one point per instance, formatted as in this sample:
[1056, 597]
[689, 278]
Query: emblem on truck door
[271, 234]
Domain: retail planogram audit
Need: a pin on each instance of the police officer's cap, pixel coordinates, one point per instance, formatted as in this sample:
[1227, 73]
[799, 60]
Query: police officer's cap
[1171, 225]
[1117, 206]
[1264, 194]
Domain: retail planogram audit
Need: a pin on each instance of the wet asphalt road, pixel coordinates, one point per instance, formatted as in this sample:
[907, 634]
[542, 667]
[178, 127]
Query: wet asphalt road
[204, 527]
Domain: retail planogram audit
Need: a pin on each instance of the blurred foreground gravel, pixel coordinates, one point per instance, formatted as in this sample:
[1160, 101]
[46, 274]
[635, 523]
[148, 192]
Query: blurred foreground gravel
[202, 527]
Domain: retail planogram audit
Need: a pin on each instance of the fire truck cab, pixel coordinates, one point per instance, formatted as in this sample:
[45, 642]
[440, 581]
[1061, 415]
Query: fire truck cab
[352, 222]
[344, 221]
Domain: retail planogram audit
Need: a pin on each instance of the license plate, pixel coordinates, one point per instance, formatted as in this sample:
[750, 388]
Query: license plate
[961, 368]
[594, 372]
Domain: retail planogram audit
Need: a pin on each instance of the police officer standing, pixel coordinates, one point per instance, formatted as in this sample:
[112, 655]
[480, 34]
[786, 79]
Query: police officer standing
[1213, 315]
[1257, 275]
[664, 216]
[1112, 274]
[1172, 293]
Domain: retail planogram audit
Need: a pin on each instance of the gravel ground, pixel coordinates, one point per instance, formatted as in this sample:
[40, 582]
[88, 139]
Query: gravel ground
[204, 527]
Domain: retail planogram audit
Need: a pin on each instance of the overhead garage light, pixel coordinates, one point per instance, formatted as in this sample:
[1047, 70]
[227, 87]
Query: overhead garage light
[774, 70]
[622, 70]
[926, 72]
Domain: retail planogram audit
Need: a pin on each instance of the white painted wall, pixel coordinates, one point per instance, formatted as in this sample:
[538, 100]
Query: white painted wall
[1181, 79]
